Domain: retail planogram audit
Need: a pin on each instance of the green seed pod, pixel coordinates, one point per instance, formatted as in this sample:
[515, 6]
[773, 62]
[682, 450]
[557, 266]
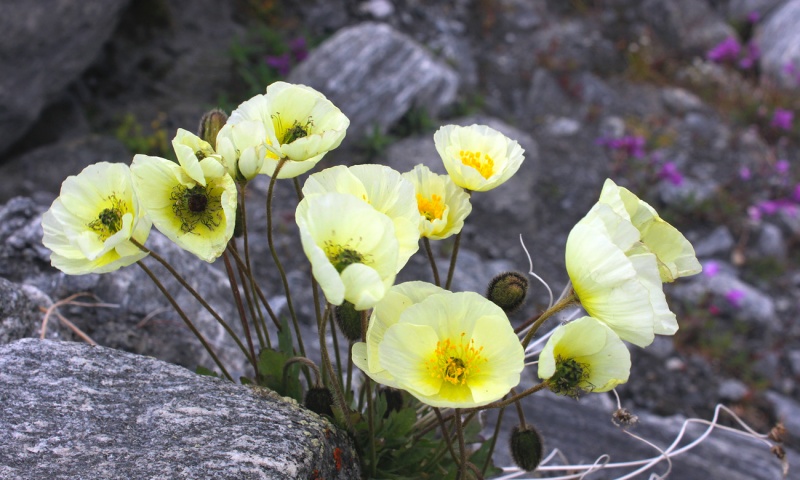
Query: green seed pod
[349, 321]
[508, 291]
[319, 400]
[527, 448]
[210, 125]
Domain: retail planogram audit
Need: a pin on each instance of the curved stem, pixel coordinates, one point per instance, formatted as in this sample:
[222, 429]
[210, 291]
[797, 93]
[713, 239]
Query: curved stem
[445, 434]
[462, 447]
[569, 299]
[509, 401]
[196, 295]
[495, 434]
[277, 260]
[186, 320]
[338, 396]
[429, 251]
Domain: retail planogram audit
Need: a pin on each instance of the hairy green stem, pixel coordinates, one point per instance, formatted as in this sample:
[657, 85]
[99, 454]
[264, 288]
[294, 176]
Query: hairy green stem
[254, 306]
[277, 260]
[197, 296]
[240, 308]
[453, 259]
[570, 299]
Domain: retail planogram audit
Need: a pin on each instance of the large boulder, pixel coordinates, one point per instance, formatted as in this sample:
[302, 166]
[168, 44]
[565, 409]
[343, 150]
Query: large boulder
[70, 410]
[44, 46]
[376, 74]
[779, 41]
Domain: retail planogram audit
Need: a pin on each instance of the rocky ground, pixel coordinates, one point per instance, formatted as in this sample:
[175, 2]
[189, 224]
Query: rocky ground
[591, 89]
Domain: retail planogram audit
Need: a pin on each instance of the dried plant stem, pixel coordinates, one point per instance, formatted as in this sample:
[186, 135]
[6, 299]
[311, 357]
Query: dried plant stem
[186, 320]
[453, 259]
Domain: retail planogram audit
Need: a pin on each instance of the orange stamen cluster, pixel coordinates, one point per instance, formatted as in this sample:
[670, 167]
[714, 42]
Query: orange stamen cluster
[455, 362]
[431, 208]
[481, 162]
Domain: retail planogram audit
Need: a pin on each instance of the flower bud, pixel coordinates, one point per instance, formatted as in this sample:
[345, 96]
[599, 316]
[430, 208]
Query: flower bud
[394, 400]
[527, 448]
[210, 125]
[319, 400]
[349, 321]
[508, 291]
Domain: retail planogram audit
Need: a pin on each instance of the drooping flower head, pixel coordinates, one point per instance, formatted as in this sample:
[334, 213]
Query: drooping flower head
[193, 203]
[442, 205]
[89, 226]
[351, 246]
[615, 279]
[381, 187]
[584, 356]
[300, 124]
[674, 253]
[477, 157]
[447, 349]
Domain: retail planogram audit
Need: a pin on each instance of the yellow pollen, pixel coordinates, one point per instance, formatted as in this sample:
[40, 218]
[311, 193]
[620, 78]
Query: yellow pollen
[455, 362]
[432, 208]
[481, 162]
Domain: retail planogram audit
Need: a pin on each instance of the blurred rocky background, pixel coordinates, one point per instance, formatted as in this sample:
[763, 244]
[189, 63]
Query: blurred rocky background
[691, 104]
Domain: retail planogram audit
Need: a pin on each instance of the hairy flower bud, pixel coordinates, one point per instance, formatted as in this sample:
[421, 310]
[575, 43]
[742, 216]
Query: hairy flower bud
[210, 125]
[348, 319]
[508, 291]
[527, 448]
[394, 400]
[319, 400]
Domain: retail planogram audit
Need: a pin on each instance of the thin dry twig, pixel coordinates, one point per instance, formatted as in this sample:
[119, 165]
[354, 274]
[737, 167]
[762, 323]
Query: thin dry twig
[71, 301]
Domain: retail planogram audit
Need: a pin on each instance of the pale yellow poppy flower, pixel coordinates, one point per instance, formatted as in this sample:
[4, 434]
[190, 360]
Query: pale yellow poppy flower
[442, 205]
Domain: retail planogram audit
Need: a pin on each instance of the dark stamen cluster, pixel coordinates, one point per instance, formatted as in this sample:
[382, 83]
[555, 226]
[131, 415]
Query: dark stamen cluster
[196, 205]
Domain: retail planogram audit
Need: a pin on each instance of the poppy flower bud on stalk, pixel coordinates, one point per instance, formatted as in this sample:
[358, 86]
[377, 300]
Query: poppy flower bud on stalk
[210, 125]
[527, 448]
[319, 400]
[508, 291]
[348, 319]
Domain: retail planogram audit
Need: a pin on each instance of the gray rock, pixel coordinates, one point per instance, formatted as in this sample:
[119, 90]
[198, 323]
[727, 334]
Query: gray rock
[20, 316]
[681, 101]
[719, 242]
[44, 46]
[733, 390]
[23, 259]
[375, 75]
[779, 40]
[733, 296]
[65, 158]
[687, 25]
[770, 242]
[70, 410]
[739, 10]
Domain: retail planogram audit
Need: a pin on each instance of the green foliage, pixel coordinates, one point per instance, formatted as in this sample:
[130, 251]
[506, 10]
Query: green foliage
[374, 144]
[253, 73]
[152, 139]
[402, 454]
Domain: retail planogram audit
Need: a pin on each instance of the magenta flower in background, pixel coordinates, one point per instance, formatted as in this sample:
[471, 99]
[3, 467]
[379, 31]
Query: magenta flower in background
[753, 17]
[782, 167]
[751, 56]
[633, 145]
[735, 296]
[710, 268]
[669, 171]
[281, 63]
[745, 173]
[727, 50]
[796, 193]
[782, 118]
[754, 213]
[299, 49]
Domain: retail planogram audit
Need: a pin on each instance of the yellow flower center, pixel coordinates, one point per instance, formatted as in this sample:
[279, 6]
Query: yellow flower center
[109, 220]
[455, 362]
[431, 208]
[480, 161]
